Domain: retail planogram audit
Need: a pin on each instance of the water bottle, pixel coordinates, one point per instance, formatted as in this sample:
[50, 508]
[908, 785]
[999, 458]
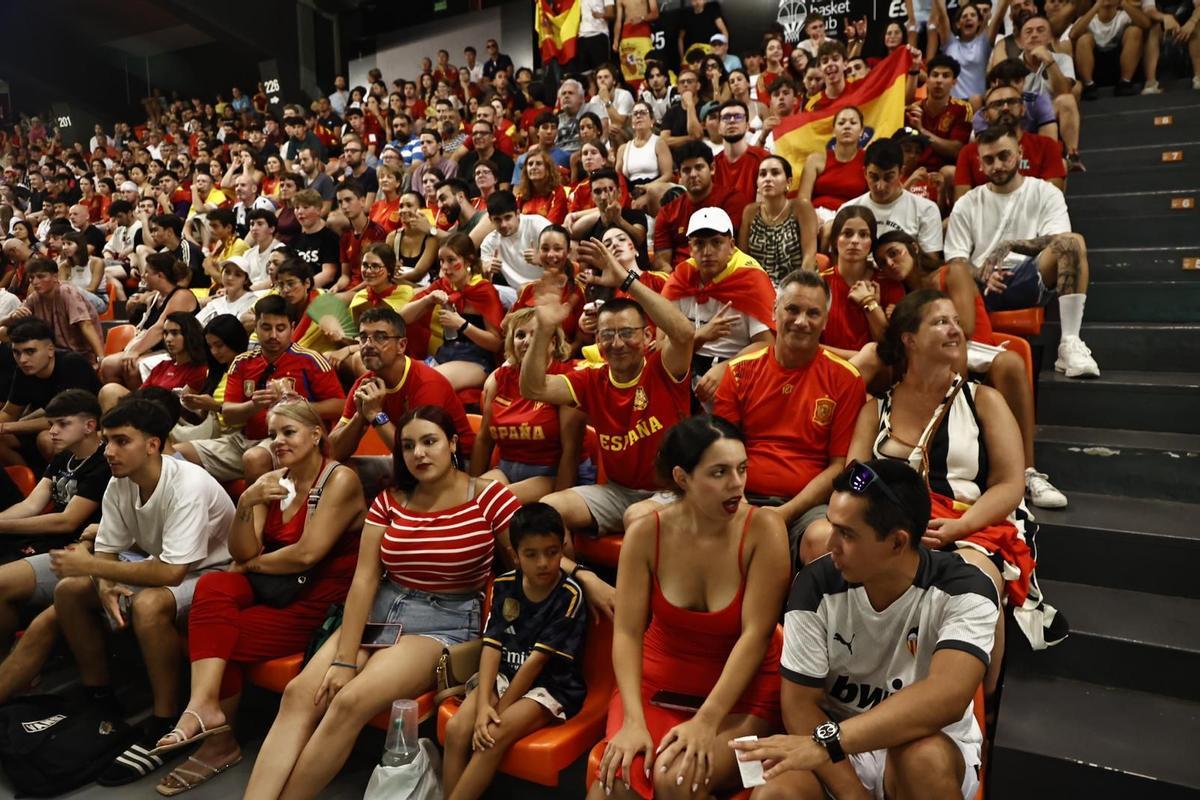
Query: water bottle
[401, 747]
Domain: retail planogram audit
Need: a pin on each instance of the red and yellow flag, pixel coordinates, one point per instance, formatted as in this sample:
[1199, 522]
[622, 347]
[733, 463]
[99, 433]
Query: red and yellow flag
[880, 97]
[557, 25]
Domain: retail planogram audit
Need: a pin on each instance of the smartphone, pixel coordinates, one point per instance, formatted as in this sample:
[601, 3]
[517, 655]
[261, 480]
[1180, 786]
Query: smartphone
[677, 701]
[377, 635]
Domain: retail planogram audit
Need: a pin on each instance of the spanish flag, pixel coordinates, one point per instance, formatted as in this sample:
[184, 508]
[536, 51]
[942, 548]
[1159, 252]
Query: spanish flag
[880, 97]
[425, 336]
[743, 284]
[557, 25]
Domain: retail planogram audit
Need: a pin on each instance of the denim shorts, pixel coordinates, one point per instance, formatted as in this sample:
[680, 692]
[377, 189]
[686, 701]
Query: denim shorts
[517, 471]
[449, 618]
[1023, 288]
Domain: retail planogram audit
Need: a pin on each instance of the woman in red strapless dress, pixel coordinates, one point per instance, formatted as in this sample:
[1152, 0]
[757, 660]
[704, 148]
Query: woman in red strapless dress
[699, 591]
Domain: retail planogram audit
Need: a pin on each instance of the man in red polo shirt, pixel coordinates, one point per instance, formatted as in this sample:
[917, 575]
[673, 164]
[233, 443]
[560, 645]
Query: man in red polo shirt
[737, 165]
[632, 399]
[257, 380]
[1041, 156]
[694, 162]
[361, 232]
[797, 404]
[393, 385]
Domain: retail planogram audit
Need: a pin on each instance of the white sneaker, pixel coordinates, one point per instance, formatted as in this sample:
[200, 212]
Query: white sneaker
[1075, 359]
[1196, 82]
[1042, 492]
[1152, 87]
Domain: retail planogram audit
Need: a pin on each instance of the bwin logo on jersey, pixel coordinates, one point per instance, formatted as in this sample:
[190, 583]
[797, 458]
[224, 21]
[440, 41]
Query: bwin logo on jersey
[37, 726]
[863, 695]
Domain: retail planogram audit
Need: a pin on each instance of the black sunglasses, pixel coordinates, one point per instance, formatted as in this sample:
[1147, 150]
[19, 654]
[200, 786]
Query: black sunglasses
[861, 477]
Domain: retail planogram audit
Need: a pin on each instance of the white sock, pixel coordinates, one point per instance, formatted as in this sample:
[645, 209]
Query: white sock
[1070, 313]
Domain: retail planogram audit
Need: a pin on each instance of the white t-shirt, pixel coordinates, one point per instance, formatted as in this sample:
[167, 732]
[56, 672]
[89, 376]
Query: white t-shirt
[983, 218]
[1108, 34]
[589, 25]
[622, 102]
[728, 346]
[258, 260]
[185, 521]
[8, 303]
[516, 270]
[221, 305]
[916, 216]
[1037, 81]
[120, 244]
[972, 57]
[834, 638]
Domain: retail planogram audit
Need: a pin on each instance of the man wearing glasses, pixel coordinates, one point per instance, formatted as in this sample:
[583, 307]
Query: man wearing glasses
[393, 385]
[880, 618]
[482, 147]
[736, 166]
[357, 169]
[631, 399]
[681, 116]
[1041, 156]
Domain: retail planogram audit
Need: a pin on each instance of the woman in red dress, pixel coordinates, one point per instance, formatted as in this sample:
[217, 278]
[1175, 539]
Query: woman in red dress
[540, 190]
[699, 588]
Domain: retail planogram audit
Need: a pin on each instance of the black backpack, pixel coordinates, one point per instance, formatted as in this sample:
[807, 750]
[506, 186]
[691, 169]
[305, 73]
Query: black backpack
[46, 749]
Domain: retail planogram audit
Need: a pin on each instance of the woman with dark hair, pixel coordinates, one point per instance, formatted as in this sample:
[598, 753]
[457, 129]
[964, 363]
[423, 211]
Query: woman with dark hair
[83, 271]
[699, 588]
[487, 180]
[380, 285]
[836, 174]
[182, 371]
[739, 89]
[426, 555]
[798, 63]
[859, 296]
[900, 258]
[775, 63]
[323, 322]
[645, 160]
[714, 83]
[780, 234]
[226, 338]
[558, 275]
[591, 157]
[238, 616]
[540, 189]
[414, 247]
[165, 279]
[385, 211]
[456, 319]
[272, 172]
[963, 439]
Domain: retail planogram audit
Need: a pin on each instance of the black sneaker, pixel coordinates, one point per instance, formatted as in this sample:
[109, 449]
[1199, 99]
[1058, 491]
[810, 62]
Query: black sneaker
[1089, 91]
[1124, 89]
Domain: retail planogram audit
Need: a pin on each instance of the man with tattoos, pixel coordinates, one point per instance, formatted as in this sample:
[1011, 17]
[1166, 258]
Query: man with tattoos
[1015, 235]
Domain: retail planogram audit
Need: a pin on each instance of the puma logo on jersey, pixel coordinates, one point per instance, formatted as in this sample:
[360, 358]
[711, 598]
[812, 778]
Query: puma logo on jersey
[837, 637]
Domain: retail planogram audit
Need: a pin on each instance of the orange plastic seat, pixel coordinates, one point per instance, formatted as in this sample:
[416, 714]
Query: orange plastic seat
[543, 754]
[604, 551]
[372, 444]
[475, 420]
[1019, 346]
[23, 478]
[118, 336]
[109, 313]
[276, 674]
[1022, 322]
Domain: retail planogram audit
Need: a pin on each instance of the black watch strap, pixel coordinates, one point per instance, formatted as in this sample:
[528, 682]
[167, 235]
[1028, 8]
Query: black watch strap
[630, 279]
[829, 736]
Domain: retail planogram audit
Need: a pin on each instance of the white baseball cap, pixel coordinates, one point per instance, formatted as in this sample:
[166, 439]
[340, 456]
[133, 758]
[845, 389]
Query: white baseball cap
[719, 37]
[710, 219]
[238, 261]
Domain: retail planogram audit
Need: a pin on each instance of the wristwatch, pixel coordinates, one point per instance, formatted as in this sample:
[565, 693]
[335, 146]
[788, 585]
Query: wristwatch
[630, 279]
[462, 329]
[380, 419]
[829, 736]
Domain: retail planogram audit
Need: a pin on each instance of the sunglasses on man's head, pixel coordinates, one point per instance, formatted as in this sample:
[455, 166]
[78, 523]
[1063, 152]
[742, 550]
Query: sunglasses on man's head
[861, 478]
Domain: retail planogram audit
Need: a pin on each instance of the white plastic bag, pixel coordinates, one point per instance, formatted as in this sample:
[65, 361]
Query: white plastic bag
[419, 780]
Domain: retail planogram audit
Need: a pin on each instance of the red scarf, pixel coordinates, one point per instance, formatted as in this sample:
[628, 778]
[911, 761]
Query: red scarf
[425, 333]
[743, 284]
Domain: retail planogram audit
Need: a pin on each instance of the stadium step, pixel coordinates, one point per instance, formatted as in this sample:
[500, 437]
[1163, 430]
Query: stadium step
[1143, 301]
[1134, 204]
[1129, 543]
[1120, 462]
[1146, 230]
[1137, 126]
[1149, 401]
[1121, 638]
[1161, 263]
[1156, 346]
[1060, 738]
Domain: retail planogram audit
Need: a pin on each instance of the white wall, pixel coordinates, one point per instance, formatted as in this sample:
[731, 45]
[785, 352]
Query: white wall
[399, 53]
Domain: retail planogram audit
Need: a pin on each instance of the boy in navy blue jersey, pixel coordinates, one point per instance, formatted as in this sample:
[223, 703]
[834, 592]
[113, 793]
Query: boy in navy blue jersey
[529, 673]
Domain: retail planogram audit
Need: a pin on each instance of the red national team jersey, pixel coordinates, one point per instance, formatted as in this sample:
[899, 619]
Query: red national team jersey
[351, 245]
[315, 380]
[954, 122]
[525, 431]
[170, 375]
[1041, 157]
[847, 328]
[795, 420]
[631, 418]
[420, 385]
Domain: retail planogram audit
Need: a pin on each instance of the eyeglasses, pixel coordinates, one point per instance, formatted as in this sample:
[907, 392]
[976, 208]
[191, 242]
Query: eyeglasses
[376, 338]
[1011, 101]
[861, 478]
[733, 117]
[289, 285]
[369, 267]
[626, 334]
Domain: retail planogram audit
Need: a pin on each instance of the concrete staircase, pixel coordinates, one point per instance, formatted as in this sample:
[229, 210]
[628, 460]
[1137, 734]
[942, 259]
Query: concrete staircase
[1114, 711]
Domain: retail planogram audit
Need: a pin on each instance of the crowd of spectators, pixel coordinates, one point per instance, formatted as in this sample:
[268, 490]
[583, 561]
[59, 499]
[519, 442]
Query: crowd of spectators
[748, 366]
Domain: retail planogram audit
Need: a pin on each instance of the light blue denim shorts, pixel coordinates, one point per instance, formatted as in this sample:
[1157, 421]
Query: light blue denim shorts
[449, 618]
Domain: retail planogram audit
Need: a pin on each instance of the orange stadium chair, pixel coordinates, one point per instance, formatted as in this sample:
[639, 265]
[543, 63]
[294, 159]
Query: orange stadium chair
[1023, 322]
[110, 312]
[1019, 346]
[543, 754]
[118, 336]
[23, 478]
[372, 444]
[593, 765]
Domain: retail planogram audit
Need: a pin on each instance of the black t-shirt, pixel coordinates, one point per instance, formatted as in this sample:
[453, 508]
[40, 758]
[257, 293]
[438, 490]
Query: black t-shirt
[633, 217]
[555, 626]
[71, 371]
[699, 28]
[368, 180]
[191, 254]
[675, 120]
[664, 33]
[504, 167]
[69, 478]
[95, 239]
[317, 248]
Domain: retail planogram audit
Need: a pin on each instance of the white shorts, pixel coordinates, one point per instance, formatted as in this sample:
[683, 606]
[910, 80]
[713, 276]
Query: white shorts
[537, 694]
[870, 767]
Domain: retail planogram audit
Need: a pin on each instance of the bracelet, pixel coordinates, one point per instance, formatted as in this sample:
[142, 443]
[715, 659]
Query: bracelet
[870, 307]
[630, 279]
[462, 329]
[576, 571]
[344, 665]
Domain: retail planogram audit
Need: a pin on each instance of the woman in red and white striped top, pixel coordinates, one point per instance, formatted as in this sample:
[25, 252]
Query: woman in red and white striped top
[433, 537]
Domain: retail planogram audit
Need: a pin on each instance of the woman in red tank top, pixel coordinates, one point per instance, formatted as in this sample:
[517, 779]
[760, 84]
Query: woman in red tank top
[540, 189]
[302, 519]
[835, 175]
[539, 444]
[699, 590]
[899, 256]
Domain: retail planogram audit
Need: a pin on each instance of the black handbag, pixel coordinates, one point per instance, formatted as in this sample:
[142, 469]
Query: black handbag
[279, 591]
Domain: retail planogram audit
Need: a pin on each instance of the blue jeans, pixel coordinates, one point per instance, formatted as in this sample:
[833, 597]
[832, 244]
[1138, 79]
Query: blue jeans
[449, 618]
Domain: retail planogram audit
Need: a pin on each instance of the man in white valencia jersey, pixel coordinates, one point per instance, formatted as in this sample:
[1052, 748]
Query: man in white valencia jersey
[885, 644]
